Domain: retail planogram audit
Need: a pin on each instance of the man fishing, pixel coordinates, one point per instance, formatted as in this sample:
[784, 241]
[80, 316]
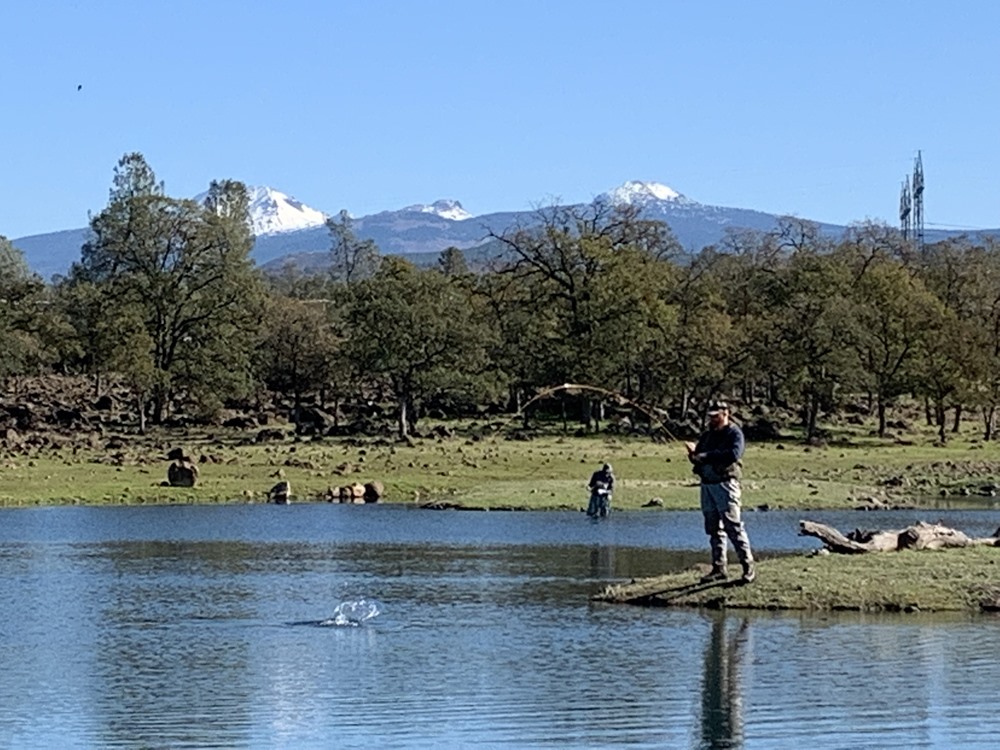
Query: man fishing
[602, 484]
[716, 459]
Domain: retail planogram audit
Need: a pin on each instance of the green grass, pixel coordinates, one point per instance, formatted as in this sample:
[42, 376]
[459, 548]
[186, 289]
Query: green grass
[550, 472]
[910, 581]
[547, 472]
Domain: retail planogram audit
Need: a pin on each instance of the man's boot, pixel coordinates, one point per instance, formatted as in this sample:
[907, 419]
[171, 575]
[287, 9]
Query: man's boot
[718, 573]
[749, 572]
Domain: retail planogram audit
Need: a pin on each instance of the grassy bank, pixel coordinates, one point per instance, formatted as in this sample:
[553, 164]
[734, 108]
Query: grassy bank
[965, 579]
[546, 472]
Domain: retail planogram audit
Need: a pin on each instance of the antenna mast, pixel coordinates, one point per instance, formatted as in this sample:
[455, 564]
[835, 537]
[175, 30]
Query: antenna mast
[905, 209]
[918, 201]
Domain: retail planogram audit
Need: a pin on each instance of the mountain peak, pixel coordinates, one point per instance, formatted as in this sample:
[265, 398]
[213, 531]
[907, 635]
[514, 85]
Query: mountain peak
[445, 208]
[272, 211]
[636, 191]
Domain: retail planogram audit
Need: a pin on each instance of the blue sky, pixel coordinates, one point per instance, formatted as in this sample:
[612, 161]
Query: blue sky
[813, 108]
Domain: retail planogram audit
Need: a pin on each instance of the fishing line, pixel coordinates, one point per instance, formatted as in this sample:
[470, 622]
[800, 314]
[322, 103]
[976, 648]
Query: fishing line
[571, 387]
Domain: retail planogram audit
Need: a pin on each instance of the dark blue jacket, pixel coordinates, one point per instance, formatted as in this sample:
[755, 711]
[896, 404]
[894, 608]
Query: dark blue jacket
[601, 479]
[723, 450]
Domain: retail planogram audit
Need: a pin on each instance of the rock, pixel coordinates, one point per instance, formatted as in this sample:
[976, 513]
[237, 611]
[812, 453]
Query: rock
[104, 403]
[281, 493]
[310, 419]
[270, 434]
[182, 474]
[656, 502]
[352, 493]
[374, 491]
[10, 437]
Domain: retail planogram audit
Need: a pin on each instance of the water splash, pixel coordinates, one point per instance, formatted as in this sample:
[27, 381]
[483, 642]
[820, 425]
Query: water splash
[353, 613]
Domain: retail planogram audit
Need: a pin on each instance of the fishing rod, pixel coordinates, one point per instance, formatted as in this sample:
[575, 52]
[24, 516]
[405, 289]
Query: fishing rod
[616, 395]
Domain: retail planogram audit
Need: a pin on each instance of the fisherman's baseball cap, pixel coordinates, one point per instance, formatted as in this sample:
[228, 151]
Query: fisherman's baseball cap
[717, 407]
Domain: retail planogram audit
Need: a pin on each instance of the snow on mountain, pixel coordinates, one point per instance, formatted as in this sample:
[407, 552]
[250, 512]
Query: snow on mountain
[635, 191]
[446, 209]
[272, 211]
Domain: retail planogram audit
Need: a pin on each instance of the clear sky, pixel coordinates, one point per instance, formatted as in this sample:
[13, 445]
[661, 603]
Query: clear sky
[809, 107]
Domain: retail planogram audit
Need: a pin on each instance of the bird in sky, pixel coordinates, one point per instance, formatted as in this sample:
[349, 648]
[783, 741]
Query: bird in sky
[79, 86]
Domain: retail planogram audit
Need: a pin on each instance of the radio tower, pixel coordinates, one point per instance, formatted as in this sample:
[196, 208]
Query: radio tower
[918, 201]
[905, 207]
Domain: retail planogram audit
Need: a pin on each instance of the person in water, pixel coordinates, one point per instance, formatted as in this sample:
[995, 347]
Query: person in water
[717, 459]
[602, 484]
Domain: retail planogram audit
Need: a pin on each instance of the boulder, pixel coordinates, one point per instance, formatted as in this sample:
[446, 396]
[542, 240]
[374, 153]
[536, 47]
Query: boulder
[352, 493]
[182, 474]
[281, 493]
[374, 491]
[104, 403]
[10, 437]
[270, 434]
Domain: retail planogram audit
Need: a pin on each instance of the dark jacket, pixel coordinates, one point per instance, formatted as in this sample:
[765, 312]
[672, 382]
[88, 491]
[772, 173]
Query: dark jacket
[602, 480]
[723, 450]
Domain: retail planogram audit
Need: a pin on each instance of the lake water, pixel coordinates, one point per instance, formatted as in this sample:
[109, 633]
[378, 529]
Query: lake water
[213, 627]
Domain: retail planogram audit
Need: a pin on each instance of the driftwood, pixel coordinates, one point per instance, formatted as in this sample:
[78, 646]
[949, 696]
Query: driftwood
[920, 536]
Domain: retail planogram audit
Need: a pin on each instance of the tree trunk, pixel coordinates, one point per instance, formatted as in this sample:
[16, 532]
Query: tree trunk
[920, 536]
[411, 414]
[927, 411]
[881, 417]
[940, 419]
[404, 422]
[514, 399]
[988, 416]
[140, 403]
[812, 416]
[958, 418]
[158, 407]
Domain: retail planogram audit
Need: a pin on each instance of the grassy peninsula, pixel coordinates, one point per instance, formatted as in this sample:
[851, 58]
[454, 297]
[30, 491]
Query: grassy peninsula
[965, 579]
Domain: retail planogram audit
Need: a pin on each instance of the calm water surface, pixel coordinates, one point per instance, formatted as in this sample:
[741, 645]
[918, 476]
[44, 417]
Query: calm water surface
[203, 627]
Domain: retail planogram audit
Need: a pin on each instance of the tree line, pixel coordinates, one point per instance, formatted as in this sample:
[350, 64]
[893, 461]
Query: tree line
[166, 299]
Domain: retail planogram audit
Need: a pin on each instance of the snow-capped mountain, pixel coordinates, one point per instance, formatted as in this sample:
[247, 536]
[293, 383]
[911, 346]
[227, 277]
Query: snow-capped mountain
[445, 208]
[289, 232]
[641, 193]
[272, 211]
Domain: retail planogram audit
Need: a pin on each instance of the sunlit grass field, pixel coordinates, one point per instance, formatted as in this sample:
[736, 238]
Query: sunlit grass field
[474, 469]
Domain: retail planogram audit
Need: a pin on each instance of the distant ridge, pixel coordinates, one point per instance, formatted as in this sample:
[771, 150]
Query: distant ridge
[290, 232]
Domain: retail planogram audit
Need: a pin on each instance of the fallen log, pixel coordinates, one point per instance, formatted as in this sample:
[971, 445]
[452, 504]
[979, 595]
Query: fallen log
[919, 536]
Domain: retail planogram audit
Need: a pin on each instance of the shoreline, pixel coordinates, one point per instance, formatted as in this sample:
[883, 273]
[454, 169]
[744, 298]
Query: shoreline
[951, 580]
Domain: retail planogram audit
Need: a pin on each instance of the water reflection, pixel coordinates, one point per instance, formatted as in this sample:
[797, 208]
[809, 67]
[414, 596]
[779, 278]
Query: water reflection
[602, 562]
[161, 655]
[124, 628]
[722, 683]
